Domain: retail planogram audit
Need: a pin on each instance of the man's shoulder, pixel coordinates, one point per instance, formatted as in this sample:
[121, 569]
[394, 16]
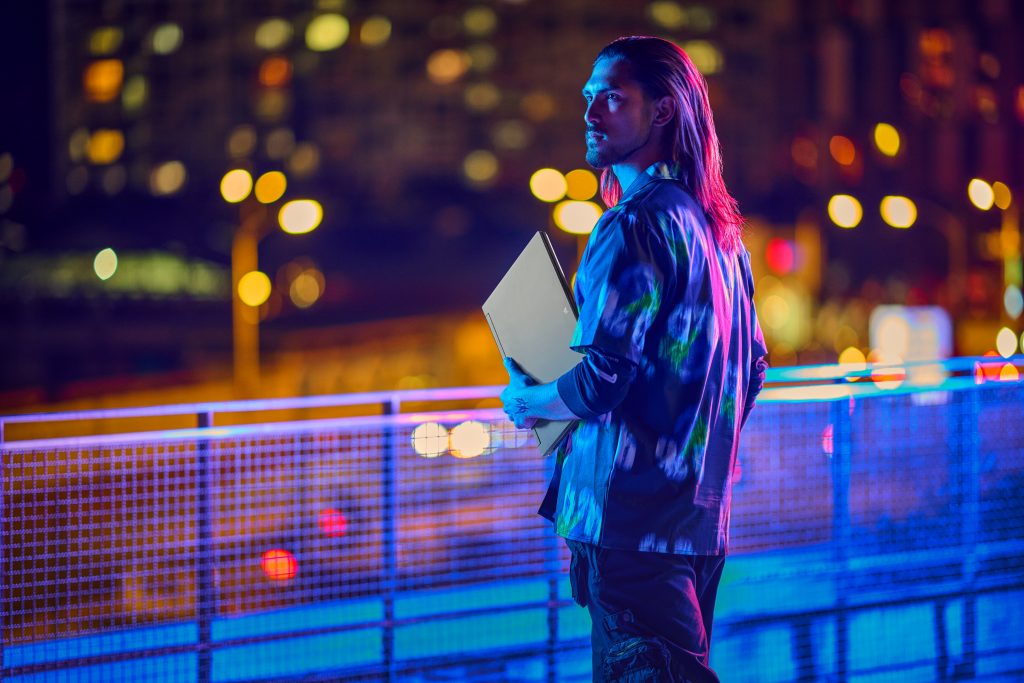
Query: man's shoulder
[665, 195]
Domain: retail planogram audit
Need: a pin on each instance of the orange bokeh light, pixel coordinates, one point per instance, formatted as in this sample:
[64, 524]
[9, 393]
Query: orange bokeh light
[275, 71]
[279, 565]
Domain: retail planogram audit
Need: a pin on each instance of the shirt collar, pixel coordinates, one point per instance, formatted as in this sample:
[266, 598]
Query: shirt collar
[658, 170]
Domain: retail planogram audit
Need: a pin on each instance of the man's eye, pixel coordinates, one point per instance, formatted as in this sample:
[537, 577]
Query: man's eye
[613, 97]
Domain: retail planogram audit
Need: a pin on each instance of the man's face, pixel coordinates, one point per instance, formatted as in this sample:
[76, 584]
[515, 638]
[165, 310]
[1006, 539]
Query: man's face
[618, 115]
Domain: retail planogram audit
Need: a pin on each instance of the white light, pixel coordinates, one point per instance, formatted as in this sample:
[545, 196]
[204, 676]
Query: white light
[1006, 342]
[1013, 301]
[469, 439]
[105, 264]
[430, 440]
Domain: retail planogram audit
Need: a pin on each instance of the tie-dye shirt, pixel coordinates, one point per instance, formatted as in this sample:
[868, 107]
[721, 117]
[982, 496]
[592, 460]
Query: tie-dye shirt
[655, 473]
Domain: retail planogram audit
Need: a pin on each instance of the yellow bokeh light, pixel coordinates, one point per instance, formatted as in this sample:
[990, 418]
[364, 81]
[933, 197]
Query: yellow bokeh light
[327, 32]
[167, 178]
[580, 184]
[705, 55]
[430, 440]
[1006, 342]
[899, 212]
[845, 211]
[307, 287]
[105, 264]
[134, 93]
[981, 194]
[576, 217]
[482, 96]
[1001, 195]
[375, 31]
[548, 185]
[469, 439]
[235, 185]
[270, 187]
[102, 80]
[166, 38]
[300, 216]
[106, 40]
[254, 288]
[479, 21]
[1008, 373]
[480, 166]
[667, 14]
[853, 360]
[273, 34]
[842, 150]
[105, 146]
[447, 66]
[887, 139]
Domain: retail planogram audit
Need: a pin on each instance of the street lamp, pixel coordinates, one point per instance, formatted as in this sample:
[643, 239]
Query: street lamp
[249, 287]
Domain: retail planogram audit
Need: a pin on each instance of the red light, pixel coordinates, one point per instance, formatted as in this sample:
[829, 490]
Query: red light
[988, 372]
[827, 440]
[333, 522]
[279, 565]
[780, 255]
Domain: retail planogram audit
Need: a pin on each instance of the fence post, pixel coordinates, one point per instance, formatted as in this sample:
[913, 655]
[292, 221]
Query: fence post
[3, 550]
[391, 407]
[205, 597]
[970, 523]
[842, 532]
[553, 571]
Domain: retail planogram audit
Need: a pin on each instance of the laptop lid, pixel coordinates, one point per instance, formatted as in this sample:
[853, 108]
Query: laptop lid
[532, 316]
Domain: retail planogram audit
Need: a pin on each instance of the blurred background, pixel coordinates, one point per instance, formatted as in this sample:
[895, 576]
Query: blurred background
[230, 199]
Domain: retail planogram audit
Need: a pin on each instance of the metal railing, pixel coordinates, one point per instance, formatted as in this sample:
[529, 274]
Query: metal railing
[404, 539]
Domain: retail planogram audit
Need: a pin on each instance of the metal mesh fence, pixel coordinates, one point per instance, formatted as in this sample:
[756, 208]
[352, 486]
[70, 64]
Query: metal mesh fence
[873, 538]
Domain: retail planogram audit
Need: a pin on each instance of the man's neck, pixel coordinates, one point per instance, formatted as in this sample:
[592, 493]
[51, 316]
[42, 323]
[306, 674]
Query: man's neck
[628, 171]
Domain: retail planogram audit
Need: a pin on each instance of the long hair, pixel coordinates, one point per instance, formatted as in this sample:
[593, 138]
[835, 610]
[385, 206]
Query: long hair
[662, 69]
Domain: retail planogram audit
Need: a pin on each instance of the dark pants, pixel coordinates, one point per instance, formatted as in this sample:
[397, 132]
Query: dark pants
[651, 612]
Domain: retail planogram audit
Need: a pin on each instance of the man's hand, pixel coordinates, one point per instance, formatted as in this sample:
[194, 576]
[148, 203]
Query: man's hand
[514, 397]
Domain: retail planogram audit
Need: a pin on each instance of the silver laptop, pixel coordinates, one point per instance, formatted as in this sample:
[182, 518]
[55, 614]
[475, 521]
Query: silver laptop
[532, 315]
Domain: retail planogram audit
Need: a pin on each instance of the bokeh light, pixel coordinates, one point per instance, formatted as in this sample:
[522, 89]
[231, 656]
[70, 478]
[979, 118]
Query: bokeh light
[482, 96]
[1013, 301]
[270, 187]
[853, 360]
[273, 34]
[242, 141]
[327, 32]
[884, 372]
[469, 439]
[430, 440]
[275, 71]
[780, 255]
[899, 212]
[842, 150]
[482, 57]
[300, 216]
[105, 264]
[776, 311]
[538, 105]
[375, 31]
[480, 166]
[548, 185]
[134, 93]
[304, 160]
[1001, 195]
[887, 139]
[167, 178]
[306, 288]
[332, 522]
[166, 38]
[279, 565]
[1008, 373]
[1006, 342]
[845, 211]
[827, 440]
[235, 185]
[705, 55]
[447, 66]
[667, 14]
[102, 80]
[105, 40]
[581, 184]
[254, 288]
[981, 194]
[576, 217]
[105, 146]
[479, 21]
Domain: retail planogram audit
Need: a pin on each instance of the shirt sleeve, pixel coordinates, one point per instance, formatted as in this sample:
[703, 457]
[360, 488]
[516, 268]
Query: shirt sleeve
[620, 288]
[596, 385]
[758, 349]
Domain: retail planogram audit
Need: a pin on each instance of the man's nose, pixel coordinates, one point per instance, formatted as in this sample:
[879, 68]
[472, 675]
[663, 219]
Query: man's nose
[590, 114]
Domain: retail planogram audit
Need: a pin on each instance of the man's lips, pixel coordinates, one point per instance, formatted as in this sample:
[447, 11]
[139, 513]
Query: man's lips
[594, 136]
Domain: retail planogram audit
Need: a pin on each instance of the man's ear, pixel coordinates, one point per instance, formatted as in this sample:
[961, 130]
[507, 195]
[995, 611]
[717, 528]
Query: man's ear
[664, 108]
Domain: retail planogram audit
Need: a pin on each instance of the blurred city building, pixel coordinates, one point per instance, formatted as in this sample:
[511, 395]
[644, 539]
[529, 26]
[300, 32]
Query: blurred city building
[851, 130]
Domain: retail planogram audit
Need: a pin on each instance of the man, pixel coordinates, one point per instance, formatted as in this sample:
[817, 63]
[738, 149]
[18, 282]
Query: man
[674, 358]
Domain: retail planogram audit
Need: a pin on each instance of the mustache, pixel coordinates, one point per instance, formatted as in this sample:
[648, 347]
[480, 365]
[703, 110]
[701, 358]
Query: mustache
[592, 129]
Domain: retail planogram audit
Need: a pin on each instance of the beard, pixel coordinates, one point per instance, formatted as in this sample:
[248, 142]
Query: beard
[609, 155]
